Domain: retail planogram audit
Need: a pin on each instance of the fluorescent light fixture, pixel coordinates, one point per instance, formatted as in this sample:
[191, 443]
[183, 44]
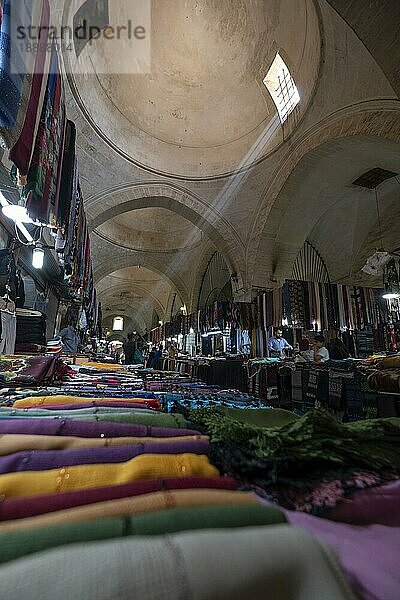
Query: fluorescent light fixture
[391, 296]
[5, 203]
[38, 257]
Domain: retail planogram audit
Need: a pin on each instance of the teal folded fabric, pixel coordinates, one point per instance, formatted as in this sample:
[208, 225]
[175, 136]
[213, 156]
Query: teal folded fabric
[16, 544]
[140, 417]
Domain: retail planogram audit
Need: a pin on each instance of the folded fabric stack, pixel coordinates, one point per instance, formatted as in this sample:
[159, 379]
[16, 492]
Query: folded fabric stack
[31, 327]
[26, 371]
[74, 486]
[385, 377]
[54, 347]
[98, 458]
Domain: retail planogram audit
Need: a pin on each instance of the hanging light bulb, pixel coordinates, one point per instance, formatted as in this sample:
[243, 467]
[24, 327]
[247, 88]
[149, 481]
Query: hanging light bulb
[38, 256]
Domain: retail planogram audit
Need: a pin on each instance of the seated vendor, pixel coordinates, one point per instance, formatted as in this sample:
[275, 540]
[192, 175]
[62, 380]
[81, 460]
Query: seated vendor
[277, 344]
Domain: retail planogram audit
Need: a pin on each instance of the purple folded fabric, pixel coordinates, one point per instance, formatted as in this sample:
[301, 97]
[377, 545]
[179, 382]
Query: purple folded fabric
[129, 405]
[20, 508]
[373, 505]
[369, 556]
[32, 460]
[93, 429]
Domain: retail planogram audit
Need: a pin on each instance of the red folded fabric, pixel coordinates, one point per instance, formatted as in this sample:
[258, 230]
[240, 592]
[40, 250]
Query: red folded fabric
[37, 505]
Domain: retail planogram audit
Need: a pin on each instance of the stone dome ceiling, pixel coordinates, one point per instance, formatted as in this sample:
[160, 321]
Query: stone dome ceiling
[201, 110]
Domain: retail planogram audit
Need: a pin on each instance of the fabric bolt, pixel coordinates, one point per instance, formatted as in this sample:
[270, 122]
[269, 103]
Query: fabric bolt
[136, 505]
[10, 444]
[20, 508]
[146, 466]
[56, 459]
[236, 565]
[71, 427]
[16, 544]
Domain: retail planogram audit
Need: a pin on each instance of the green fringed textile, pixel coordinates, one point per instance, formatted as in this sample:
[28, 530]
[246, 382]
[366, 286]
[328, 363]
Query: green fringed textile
[317, 436]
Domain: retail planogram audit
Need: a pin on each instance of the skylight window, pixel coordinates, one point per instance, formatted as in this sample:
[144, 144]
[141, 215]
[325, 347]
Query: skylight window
[282, 88]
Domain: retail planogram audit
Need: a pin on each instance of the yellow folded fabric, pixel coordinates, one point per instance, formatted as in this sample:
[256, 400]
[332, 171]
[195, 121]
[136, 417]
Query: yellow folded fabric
[103, 366]
[134, 505]
[145, 466]
[10, 443]
[59, 400]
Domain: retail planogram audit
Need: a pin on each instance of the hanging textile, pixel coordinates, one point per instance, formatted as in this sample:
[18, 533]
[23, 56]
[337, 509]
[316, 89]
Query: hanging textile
[41, 190]
[13, 59]
[8, 332]
[21, 152]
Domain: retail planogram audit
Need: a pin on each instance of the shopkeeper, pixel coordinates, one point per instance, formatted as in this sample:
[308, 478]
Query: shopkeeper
[277, 344]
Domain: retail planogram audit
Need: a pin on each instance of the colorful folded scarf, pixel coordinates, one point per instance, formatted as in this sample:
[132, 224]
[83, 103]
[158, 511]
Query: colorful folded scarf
[135, 505]
[16, 544]
[147, 466]
[57, 459]
[20, 508]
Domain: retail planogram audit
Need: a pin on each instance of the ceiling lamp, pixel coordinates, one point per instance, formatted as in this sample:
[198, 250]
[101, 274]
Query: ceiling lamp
[38, 256]
[118, 324]
[391, 281]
